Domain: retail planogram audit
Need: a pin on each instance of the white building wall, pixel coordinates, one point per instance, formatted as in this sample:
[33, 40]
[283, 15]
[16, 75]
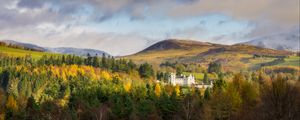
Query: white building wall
[184, 81]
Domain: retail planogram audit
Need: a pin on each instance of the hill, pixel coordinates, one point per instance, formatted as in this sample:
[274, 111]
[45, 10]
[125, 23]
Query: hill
[176, 44]
[233, 57]
[18, 52]
[21, 45]
[60, 50]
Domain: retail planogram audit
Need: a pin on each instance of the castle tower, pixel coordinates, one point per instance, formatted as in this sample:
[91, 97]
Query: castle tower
[172, 79]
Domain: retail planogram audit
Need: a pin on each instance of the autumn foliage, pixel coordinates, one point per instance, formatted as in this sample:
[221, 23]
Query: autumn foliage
[71, 87]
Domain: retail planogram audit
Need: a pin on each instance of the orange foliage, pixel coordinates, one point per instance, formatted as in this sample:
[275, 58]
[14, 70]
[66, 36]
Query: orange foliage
[11, 103]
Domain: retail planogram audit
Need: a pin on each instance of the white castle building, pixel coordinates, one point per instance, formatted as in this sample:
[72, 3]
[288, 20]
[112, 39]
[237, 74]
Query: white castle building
[182, 80]
[187, 81]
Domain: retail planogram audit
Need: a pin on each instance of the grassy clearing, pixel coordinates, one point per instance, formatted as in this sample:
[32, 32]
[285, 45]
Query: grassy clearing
[255, 63]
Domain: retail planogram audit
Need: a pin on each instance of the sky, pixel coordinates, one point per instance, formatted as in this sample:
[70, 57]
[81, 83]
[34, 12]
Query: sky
[123, 27]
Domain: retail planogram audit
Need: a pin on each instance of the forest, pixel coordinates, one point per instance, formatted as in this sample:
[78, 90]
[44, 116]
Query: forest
[103, 87]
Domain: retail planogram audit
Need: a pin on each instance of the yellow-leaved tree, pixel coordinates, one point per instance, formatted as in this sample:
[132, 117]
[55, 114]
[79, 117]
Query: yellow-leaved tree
[127, 86]
[105, 75]
[73, 70]
[157, 90]
[177, 90]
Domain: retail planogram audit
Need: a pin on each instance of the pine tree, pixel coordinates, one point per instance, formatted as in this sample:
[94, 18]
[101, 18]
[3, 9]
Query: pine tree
[146, 70]
[96, 62]
[89, 59]
[207, 93]
[205, 79]
[214, 67]
[104, 61]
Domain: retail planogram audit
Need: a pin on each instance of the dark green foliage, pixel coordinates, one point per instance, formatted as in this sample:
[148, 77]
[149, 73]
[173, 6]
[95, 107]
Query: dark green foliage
[4, 78]
[146, 70]
[145, 107]
[123, 106]
[168, 105]
[163, 76]
[179, 69]
[205, 79]
[207, 93]
[219, 84]
[214, 67]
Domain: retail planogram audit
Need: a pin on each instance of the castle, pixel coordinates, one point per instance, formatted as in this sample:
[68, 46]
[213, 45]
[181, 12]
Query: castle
[181, 80]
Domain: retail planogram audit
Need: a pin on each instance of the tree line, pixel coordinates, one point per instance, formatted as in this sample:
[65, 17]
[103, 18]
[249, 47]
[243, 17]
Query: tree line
[71, 87]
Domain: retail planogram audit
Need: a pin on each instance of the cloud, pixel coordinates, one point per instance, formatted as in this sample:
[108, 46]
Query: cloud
[78, 23]
[13, 16]
[64, 35]
[31, 3]
[279, 11]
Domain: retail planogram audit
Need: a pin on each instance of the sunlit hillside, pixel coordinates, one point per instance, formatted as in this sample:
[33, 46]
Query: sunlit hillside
[233, 58]
[22, 53]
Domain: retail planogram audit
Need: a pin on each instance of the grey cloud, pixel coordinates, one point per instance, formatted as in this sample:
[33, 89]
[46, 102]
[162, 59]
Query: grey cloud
[11, 19]
[13, 16]
[31, 3]
[277, 11]
[189, 33]
[229, 38]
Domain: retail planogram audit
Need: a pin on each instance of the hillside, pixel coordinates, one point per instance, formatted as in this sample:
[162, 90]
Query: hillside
[235, 57]
[18, 52]
[60, 50]
[21, 45]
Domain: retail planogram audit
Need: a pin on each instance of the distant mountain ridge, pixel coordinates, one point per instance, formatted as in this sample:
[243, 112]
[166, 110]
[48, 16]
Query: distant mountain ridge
[283, 41]
[77, 51]
[61, 50]
[24, 45]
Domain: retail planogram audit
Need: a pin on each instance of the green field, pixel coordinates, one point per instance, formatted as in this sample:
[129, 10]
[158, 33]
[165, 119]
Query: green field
[291, 61]
[198, 76]
[21, 53]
